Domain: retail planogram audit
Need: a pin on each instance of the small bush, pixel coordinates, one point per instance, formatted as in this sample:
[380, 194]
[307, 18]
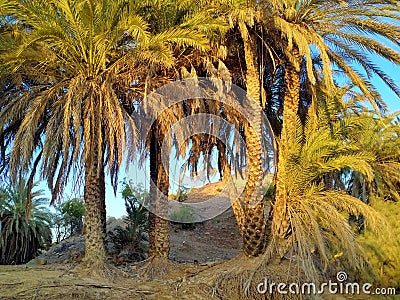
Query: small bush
[180, 196]
[184, 216]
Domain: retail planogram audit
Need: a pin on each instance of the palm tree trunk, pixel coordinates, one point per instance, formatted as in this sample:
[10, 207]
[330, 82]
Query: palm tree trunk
[254, 219]
[103, 202]
[158, 216]
[281, 227]
[94, 195]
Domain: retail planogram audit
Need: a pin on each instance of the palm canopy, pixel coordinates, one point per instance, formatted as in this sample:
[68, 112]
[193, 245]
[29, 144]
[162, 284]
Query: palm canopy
[77, 62]
[344, 34]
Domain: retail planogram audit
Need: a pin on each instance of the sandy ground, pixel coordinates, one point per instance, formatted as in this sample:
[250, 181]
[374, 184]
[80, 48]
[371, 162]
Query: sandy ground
[192, 251]
[197, 255]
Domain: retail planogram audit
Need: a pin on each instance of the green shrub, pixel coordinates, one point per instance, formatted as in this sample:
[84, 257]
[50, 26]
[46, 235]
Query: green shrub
[180, 196]
[184, 216]
[73, 212]
[68, 219]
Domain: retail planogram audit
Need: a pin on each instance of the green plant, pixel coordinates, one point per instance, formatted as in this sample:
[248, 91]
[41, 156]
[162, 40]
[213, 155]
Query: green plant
[319, 213]
[383, 252]
[68, 219]
[184, 215]
[129, 240]
[24, 224]
[181, 195]
[111, 219]
[73, 212]
[58, 224]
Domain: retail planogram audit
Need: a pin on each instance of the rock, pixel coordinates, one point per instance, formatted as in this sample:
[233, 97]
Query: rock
[37, 261]
[41, 261]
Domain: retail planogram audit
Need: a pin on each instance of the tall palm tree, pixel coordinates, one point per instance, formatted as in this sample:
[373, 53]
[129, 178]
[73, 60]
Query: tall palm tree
[242, 16]
[343, 33]
[164, 16]
[83, 58]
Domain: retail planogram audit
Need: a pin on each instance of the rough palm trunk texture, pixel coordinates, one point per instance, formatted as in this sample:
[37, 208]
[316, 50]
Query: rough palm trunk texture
[94, 195]
[158, 222]
[254, 219]
[281, 228]
[102, 186]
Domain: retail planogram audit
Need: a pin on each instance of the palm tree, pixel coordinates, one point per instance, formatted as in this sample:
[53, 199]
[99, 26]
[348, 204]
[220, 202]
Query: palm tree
[249, 209]
[82, 58]
[165, 16]
[243, 16]
[24, 224]
[319, 215]
[379, 136]
[343, 34]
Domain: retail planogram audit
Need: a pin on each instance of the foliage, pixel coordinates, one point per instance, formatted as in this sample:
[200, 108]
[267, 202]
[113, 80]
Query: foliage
[344, 33]
[184, 215]
[381, 137]
[319, 214]
[68, 218]
[383, 252]
[128, 240]
[73, 71]
[73, 212]
[268, 192]
[24, 224]
[180, 196]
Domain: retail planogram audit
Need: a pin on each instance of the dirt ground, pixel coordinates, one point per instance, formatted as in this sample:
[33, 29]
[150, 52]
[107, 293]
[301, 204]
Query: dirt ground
[197, 257]
[192, 251]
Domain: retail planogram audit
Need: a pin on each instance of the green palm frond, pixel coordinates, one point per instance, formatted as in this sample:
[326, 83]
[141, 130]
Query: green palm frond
[319, 214]
[25, 224]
